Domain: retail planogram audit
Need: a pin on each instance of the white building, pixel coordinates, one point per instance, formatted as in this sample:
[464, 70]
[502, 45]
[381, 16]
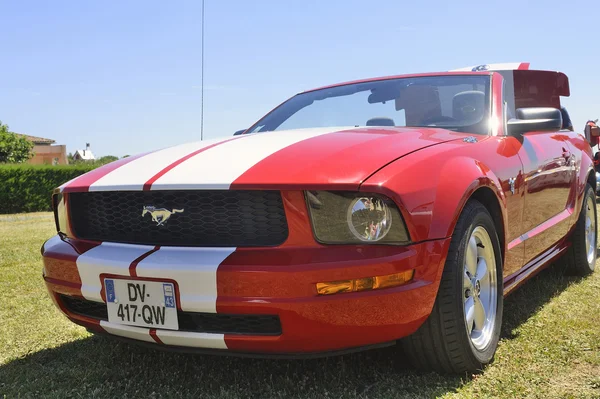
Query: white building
[85, 155]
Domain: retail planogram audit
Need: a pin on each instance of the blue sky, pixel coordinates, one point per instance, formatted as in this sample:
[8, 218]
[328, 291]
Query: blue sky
[125, 75]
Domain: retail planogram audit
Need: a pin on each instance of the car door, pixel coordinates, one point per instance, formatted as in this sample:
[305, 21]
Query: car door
[548, 178]
[509, 170]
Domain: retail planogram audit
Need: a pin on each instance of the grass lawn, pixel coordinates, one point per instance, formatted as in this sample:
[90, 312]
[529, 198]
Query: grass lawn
[550, 348]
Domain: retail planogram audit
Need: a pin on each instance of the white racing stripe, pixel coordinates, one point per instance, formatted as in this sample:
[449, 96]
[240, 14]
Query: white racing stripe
[139, 333]
[194, 270]
[133, 175]
[106, 258]
[218, 167]
[167, 337]
[191, 339]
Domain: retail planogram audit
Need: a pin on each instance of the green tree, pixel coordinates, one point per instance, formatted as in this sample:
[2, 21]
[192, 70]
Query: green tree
[13, 148]
[73, 161]
[107, 159]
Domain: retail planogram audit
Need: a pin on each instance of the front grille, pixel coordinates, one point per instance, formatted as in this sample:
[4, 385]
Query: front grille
[209, 218]
[229, 324]
[190, 321]
[83, 307]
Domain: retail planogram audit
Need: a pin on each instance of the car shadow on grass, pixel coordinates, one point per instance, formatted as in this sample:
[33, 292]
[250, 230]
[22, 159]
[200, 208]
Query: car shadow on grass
[99, 366]
[532, 296]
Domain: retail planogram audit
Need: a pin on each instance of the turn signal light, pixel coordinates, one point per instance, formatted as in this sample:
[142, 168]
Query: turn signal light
[364, 284]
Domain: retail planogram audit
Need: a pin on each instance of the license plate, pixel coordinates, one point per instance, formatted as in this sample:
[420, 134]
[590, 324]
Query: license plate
[141, 303]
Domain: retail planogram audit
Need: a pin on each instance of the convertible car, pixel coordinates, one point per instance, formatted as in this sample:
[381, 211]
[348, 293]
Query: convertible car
[395, 210]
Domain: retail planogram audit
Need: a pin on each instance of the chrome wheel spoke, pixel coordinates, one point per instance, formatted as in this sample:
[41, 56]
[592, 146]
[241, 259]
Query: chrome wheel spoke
[471, 256]
[481, 273]
[479, 314]
[467, 283]
[469, 313]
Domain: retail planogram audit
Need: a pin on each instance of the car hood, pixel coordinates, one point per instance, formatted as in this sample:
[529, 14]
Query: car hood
[294, 159]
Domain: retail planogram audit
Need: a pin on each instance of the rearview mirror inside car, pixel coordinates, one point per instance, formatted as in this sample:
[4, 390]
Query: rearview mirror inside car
[535, 119]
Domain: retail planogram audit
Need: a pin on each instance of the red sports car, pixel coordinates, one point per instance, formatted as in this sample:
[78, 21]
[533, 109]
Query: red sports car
[364, 214]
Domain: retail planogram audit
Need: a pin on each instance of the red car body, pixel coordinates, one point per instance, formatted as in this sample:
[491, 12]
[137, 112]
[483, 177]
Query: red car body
[533, 186]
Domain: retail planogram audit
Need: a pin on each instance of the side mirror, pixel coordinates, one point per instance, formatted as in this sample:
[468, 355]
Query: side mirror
[535, 119]
[239, 132]
[592, 132]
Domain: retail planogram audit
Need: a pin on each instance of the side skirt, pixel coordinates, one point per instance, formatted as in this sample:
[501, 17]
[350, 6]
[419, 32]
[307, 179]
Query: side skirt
[534, 267]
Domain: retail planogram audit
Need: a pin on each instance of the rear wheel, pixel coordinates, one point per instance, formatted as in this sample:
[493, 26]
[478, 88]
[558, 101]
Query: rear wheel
[463, 330]
[581, 255]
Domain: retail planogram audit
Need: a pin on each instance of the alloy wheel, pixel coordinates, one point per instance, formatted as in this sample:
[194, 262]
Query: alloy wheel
[480, 289]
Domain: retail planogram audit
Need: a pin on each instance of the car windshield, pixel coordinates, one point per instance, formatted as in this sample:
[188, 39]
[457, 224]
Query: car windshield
[454, 102]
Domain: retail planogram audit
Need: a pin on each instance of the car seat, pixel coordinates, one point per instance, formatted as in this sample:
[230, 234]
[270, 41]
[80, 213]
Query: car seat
[468, 107]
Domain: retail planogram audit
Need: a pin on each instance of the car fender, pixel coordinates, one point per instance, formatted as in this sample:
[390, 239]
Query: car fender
[431, 192]
[460, 179]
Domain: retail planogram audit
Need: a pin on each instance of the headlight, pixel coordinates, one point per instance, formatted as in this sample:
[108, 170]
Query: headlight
[60, 213]
[355, 218]
[369, 218]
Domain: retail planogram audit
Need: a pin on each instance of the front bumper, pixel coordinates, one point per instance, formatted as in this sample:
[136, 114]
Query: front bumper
[272, 281]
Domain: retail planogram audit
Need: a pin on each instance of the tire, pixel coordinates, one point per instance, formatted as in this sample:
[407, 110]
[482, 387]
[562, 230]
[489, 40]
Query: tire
[581, 256]
[444, 343]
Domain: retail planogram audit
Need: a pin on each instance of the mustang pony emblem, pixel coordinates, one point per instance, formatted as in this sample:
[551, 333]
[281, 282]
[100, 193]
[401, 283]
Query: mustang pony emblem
[159, 215]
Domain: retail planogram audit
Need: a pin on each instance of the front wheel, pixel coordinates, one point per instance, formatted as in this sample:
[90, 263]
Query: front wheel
[463, 330]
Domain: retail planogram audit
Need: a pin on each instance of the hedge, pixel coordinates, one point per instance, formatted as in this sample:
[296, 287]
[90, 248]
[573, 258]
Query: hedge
[28, 188]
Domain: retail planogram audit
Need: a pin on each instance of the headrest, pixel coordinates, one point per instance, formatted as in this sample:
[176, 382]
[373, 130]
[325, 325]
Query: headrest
[468, 106]
[419, 102]
[381, 121]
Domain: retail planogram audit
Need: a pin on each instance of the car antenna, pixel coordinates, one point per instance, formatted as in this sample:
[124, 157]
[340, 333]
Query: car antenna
[202, 77]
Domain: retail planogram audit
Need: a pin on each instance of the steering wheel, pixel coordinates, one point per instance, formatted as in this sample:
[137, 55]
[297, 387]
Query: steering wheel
[435, 119]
